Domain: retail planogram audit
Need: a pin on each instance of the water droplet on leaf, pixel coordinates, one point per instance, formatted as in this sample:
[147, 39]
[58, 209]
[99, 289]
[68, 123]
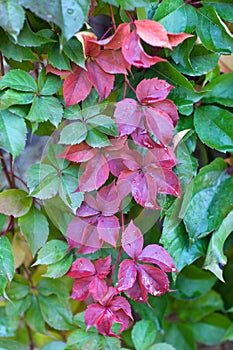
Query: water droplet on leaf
[70, 11]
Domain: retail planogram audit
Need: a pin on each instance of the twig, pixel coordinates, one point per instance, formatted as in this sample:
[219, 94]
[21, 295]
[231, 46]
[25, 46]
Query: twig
[129, 15]
[31, 343]
[12, 171]
[113, 18]
[5, 170]
[2, 64]
[29, 277]
[129, 85]
[21, 180]
[10, 226]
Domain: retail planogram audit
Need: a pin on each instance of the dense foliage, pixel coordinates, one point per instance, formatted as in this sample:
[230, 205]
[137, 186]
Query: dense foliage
[116, 203]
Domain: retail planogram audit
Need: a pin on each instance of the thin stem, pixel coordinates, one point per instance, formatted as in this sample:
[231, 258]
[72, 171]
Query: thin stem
[9, 226]
[5, 170]
[31, 343]
[129, 85]
[21, 180]
[113, 18]
[2, 64]
[129, 15]
[107, 31]
[12, 171]
[115, 264]
[27, 271]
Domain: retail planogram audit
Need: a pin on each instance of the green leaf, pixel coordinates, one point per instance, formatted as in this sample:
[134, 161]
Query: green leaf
[222, 7]
[215, 258]
[43, 181]
[175, 239]
[15, 202]
[104, 124]
[194, 310]
[57, 58]
[28, 38]
[48, 83]
[212, 31]
[129, 4]
[8, 325]
[11, 345]
[214, 324]
[47, 287]
[73, 133]
[17, 307]
[19, 80]
[180, 335]
[11, 17]
[57, 314]
[54, 345]
[212, 120]
[12, 133]
[193, 282]
[7, 267]
[74, 51]
[35, 228]
[143, 334]
[85, 340]
[46, 108]
[73, 112]
[220, 90]
[68, 184]
[12, 97]
[14, 51]
[194, 60]
[97, 139]
[69, 15]
[184, 94]
[52, 252]
[33, 316]
[59, 268]
[176, 16]
[211, 200]
[19, 288]
[161, 346]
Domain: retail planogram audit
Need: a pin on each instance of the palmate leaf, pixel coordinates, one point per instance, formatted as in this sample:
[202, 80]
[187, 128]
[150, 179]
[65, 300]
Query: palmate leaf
[143, 334]
[6, 264]
[68, 15]
[15, 202]
[11, 17]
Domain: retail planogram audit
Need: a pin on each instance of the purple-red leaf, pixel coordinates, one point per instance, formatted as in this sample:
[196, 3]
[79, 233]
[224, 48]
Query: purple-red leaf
[78, 153]
[115, 41]
[80, 268]
[102, 81]
[154, 280]
[108, 228]
[98, 288]
[128, 115]
[95, 174]
[80, 290]
[156, 254]
[108, 199]
[127, 275]
[77, 87]
[132, 240]
[152, 90]
[134, 53]
[168, 107]
[153, 33]
[112, 62]
[103, 266]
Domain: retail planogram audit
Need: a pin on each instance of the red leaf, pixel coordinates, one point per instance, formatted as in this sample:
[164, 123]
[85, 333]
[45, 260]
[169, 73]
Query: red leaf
[85, 211]
[152, 90]
[167, 181]
[108, 228]
[92, 314]
[80, 290]
[111, 62]
[75, 230]
[159, 124]
[51, 69]
[142, 138]
[115, 41]
[132, 240]
[138, 292]
[118, 303]
[127, 275]
[152, 33]
[168, 107]
[153, 279]
[90, 241]
[127, 115]
[134, 53]
[102, 81]
[81, 267]
[78, 153]
[77, 87]
[156, 254]
[98, 288]
[144, 191]
[90, 48]
[95, 174]
[108, 200]
[103, 267]
[164, 157]
[176, 39]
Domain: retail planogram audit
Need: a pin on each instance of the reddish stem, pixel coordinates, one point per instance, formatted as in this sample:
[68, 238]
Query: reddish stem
[129, 85]
[5, 170]
[21, 180]
[113, 18]
[115, 264]
[12, 171]
[107, 31]
[129, 15]
[2, 64]
[10, 226]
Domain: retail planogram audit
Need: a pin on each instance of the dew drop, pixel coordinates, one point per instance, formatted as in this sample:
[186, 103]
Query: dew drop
[49, 16]
[70, 11]
[127, 47]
